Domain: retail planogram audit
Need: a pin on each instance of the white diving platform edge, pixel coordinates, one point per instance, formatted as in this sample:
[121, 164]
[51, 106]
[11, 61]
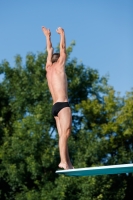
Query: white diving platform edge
[101, 170]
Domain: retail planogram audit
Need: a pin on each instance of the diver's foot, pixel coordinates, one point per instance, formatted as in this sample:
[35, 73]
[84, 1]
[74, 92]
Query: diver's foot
[66, 166]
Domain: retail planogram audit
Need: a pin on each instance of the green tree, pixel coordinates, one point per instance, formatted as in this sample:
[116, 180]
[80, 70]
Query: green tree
[109, 138]
[29, 156]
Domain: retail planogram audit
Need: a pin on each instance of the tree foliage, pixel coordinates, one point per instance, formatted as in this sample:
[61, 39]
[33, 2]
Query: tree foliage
[102, 134]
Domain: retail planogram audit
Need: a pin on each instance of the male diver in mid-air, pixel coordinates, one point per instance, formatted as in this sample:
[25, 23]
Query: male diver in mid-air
[57, 83]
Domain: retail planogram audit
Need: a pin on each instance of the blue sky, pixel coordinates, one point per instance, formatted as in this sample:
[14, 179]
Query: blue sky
[102, 29]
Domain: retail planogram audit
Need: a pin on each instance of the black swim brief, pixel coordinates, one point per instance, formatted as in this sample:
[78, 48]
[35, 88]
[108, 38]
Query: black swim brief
[58, 106]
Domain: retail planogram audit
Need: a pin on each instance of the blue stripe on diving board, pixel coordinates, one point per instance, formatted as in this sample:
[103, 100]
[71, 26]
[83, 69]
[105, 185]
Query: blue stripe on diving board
[91, 171]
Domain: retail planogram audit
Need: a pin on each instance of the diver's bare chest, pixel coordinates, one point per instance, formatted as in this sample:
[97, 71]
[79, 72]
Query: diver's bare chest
[50, 73]
[53, 72]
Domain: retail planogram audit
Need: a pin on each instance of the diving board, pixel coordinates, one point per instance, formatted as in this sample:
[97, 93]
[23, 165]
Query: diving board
[102, 170]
